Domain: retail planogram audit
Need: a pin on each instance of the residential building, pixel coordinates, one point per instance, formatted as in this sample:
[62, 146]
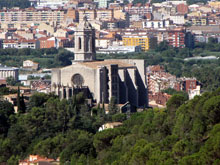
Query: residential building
[48, 42]
[115, 24]
[110, 125]
[138, 40]
[104, 14]
[33, 44]
[198, 21]
[12, 98]
[103, 42]
[102, 3]
[137, 24]
[176, 38]
[51, 3]
[6, 72]
[120, 14]
[156, 24]
[159, 100]
[177, 19]
[10, 44]
[28, 64]
[182, 8]
[120, 49]
[72, 15]
[36, 159]
[31, 15]
[89, 13]
[41, 85]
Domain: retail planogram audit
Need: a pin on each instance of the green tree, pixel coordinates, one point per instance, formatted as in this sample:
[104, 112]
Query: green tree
[175, 101]
[120, 117]
[20, 102]
[162, 46]
[6, 110]
[11, 81]
[112, 107]
[37, 100]
[13, 160]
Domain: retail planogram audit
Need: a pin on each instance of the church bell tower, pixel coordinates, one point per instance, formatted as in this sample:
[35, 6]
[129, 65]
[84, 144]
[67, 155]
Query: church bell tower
[84, 42]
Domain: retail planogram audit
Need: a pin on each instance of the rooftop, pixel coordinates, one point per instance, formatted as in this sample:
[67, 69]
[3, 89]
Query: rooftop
[97, 64]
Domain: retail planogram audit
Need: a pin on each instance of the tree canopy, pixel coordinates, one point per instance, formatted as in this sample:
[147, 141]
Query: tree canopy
[184, 132]
[47, 58]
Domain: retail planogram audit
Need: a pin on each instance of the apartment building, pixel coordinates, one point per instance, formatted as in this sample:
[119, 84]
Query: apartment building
[102, 3]
[104, 14]
[140, 10]
[176, 38]
[138, 40]
[31, 15]
[9, 44]
[155, 24]
[199, 21]
[177, 19]
[51, 3]
[89, 13]
[115, 24]
[21, 43]
[33, 44]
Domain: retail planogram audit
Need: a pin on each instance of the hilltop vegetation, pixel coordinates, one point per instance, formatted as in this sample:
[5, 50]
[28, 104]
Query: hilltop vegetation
[47, 58]
[186, 132]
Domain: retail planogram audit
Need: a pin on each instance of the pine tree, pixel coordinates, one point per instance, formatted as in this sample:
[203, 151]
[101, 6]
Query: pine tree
[112, 107]
[22, 104]
[18, 100]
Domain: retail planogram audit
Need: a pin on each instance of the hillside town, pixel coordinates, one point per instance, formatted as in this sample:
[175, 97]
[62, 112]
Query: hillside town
[120, 28]
[109, 82]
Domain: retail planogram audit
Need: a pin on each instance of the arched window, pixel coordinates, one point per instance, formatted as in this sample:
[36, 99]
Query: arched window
[80, 43]
[87, 44]
[93, 44]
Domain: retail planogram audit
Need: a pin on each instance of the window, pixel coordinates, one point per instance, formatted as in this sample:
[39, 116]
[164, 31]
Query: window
[87, 44]
[80, 43]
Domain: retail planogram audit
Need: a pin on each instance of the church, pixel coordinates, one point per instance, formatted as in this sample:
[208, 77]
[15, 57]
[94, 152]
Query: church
[124, 79]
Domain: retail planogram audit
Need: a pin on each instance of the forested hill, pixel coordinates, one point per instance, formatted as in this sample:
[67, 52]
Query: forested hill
[186, 132]
[14, 3]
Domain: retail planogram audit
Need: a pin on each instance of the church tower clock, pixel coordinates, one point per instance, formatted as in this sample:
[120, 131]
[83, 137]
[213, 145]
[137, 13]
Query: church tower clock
[84, 42]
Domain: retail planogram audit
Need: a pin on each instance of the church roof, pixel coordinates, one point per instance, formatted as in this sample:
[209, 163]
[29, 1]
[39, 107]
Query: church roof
[96, 64]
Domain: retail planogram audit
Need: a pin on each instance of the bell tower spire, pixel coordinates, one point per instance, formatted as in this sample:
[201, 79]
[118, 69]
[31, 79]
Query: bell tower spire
[84, 41]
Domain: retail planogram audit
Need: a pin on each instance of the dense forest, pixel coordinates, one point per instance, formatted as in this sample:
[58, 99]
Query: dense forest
[14, 3]
[186, 132]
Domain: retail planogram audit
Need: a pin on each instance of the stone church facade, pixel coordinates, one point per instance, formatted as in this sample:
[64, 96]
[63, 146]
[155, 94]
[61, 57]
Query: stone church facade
[124, 79]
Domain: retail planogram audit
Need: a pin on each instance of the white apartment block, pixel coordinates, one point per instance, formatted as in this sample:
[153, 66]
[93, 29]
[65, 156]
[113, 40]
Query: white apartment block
[177, 19]
[156, 24]
[52, 3]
